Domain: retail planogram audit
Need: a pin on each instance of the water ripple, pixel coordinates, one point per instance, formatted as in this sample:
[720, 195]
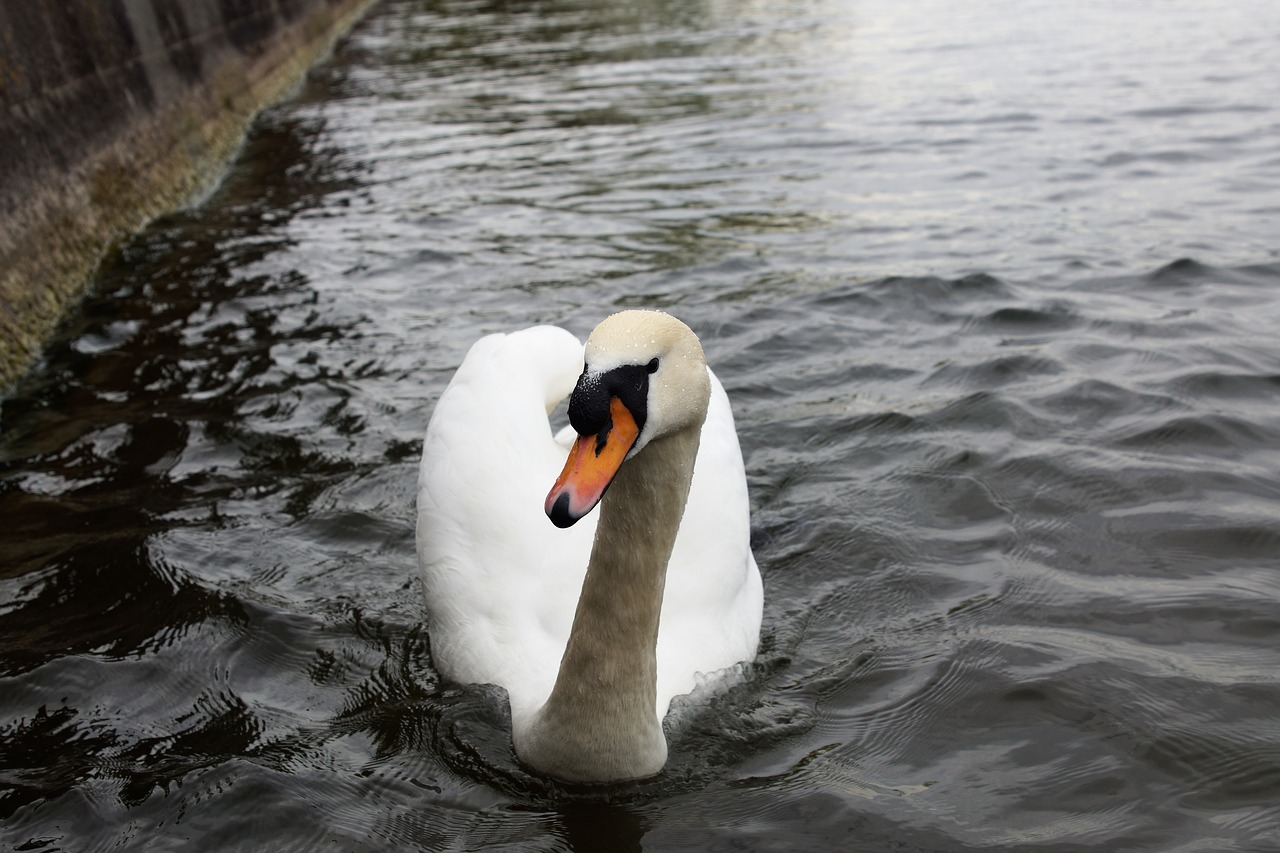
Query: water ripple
[1001, 346]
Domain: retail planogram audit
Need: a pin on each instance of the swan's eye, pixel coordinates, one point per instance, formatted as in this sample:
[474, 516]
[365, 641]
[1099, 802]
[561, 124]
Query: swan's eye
[652, 366]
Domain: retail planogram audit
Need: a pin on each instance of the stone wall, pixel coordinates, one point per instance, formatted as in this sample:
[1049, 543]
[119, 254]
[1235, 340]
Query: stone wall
[114, 111]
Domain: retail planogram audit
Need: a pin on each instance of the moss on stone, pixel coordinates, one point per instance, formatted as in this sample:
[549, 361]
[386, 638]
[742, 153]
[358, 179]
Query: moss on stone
[57, 221]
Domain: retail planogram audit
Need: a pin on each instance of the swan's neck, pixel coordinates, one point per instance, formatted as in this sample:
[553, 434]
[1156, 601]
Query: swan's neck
[600, 722]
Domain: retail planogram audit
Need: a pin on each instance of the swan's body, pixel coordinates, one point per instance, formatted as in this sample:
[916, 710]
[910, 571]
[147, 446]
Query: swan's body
[503, 584]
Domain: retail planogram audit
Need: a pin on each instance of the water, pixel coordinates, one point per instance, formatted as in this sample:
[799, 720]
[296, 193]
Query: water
[993, 286]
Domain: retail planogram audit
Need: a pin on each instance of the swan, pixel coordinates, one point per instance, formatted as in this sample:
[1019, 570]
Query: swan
[592, 626]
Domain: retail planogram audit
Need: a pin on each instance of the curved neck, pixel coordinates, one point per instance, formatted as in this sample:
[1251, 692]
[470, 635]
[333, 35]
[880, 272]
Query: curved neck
[600, 722]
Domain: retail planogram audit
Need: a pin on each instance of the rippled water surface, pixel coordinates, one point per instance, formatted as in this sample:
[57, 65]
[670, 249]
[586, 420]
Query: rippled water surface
[995, 290]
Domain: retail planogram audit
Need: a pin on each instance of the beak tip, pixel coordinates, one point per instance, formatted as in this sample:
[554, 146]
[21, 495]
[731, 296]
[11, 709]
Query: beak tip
[558, 511]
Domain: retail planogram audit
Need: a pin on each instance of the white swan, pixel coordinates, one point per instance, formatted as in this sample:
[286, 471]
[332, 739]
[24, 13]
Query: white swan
[503, 583]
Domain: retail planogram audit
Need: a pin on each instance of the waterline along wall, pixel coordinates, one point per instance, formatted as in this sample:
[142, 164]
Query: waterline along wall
[114, 111]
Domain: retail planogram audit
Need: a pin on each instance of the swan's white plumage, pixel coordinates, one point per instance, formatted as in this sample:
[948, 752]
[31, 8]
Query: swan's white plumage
[502, 582]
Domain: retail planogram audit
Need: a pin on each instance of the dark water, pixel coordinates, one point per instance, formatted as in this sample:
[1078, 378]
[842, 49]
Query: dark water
[995, 289]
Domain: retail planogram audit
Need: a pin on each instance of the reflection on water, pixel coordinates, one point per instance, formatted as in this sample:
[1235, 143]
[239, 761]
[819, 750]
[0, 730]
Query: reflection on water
[1012, 462]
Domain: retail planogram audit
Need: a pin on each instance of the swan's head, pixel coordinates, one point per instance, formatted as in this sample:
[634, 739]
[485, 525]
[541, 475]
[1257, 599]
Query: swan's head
[645, 377]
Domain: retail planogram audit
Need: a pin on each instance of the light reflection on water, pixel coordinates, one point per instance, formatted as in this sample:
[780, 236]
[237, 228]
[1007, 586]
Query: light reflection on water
[1015, 518]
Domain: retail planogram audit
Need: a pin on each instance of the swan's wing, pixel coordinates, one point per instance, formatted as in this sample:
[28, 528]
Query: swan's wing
[501, 581]
[713, 601]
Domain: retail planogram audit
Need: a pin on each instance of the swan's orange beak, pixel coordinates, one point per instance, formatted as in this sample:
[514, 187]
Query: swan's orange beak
[592, 464]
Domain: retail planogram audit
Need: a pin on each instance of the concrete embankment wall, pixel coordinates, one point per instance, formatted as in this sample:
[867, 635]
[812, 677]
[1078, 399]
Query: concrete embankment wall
[114, 111]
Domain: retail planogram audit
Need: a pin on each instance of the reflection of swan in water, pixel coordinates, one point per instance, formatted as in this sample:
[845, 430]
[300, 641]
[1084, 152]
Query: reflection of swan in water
[588, 687]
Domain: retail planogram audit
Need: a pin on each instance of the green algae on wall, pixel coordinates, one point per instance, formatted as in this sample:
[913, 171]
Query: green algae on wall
[115, 111]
